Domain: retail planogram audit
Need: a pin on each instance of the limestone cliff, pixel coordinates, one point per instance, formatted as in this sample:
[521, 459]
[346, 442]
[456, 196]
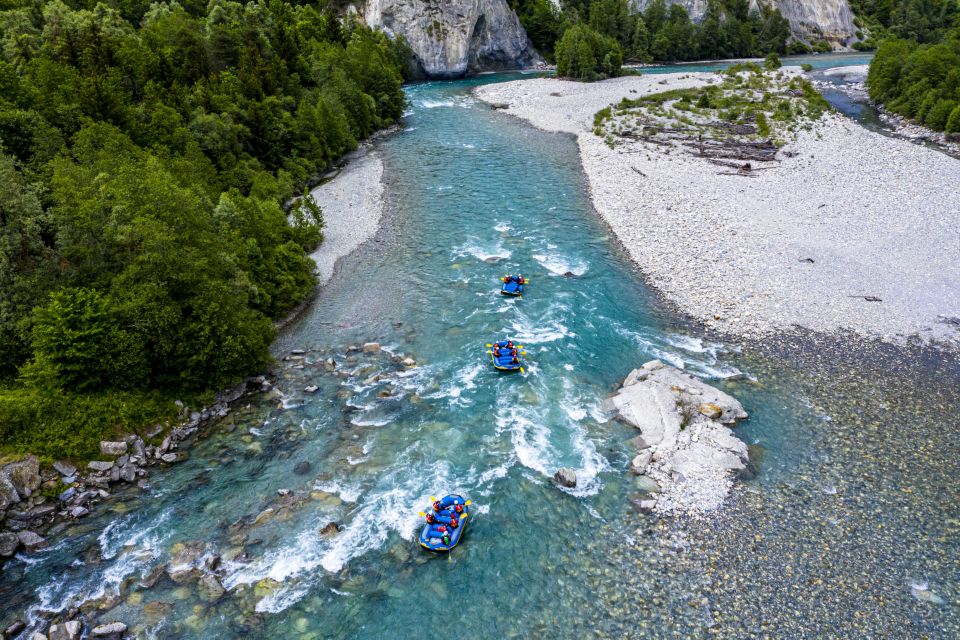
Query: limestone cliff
[451, 38]
[830, 20]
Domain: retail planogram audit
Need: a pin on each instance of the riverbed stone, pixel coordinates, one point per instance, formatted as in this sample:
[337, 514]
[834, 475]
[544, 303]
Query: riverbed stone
[9, 542]
[109, 448]
[79, 512]
[64, 468]
[100, 465]
[210, 588]
[66, 631]
[565, 477]
[640, 462]
[311, 388]
[371, 347]
[710, 410]
[128, 473]
[109, 630]
[31, 540]
[302, 468]
[14, 629]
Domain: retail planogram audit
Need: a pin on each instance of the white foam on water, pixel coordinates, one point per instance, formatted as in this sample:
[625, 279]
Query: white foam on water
[482, 251]
[281, 599]
[502, 227]
[371, 422]
[559, 265]
[345, 594]
[569, 367]
[435, 104]
[530, 439]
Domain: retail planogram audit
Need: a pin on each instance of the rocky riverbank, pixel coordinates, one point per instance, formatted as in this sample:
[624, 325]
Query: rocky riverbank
[849, 229]
[686, 454]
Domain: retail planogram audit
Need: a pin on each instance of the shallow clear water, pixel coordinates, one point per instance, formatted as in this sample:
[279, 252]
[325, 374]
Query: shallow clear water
[472, 194]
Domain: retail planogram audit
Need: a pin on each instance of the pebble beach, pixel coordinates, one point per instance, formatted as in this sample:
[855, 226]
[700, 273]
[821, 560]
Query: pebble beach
[851, 230]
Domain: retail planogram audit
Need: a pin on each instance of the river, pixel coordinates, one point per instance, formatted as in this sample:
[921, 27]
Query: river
[471, 194]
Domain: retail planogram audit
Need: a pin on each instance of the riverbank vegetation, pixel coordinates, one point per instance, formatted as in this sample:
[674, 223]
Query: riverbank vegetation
[920, 81]
[146, 152]
[923, 21]
[747, 116]
[663, 33]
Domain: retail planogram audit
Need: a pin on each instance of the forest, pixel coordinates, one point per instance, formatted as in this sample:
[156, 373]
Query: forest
[661, 32]
[148, 152]
[916, 71]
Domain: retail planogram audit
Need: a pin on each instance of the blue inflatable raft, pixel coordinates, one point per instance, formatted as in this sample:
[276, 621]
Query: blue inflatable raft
[443, 511]
[505, 362]
[512, 285]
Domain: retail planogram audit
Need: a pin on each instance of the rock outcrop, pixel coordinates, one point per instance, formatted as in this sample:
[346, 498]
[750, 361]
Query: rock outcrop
[810, 20]
[451, 38]
[685, 444]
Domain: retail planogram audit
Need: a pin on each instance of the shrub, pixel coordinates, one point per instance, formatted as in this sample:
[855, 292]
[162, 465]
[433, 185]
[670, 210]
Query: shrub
[807, 67]
[771, 62]
[953, 122]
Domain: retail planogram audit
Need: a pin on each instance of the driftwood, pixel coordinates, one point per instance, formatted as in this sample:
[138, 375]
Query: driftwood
[764, 151]
[736, 129]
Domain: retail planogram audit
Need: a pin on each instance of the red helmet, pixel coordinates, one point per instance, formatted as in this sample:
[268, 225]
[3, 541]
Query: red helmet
[453, 523]
[437, 506]
[430, 518]
[458, 508]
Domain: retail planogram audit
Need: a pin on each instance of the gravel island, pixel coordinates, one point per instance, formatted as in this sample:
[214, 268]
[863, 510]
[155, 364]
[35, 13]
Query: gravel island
[850, 230]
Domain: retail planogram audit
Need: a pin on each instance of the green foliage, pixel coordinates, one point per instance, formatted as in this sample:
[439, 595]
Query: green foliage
[807, 67]
[919, 81]
[584, 54]
[146, 152]
[923, 21]
[772, 62]
[663, 32]
[71, 425]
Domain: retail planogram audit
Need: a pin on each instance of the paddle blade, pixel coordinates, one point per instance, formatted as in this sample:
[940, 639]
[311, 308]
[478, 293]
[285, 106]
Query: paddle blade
[421, 514]
[468, 502]
[433, 499]
[521, 370]
[488, 345]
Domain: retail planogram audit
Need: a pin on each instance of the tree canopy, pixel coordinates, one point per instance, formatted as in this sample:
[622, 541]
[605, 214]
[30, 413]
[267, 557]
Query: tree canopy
[147, 150]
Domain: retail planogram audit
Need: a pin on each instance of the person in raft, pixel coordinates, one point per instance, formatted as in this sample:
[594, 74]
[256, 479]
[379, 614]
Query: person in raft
[448, 518]
[448, 503]
[496, 351]
[438, 531]
[520, 280]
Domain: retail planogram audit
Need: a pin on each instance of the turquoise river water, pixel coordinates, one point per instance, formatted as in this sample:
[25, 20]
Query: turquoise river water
[472, 194]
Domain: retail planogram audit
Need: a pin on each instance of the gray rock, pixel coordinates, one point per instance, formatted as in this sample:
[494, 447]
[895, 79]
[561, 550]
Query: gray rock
[38, 636]
[31, 541]
[67, 495]
[14, 629]
[330, 529]
[170, 457]
[9, 542]
[64, 468]
[18, 480]
[647, 506]
[565, 477]
[639, 463]
[638, 443]
[128, 473]
[108, 448]
[454, 37]
[115, 474]
[330, 364]
[109, 630]
[79, 512]
[371, 347]
[122, 460]
[100, 465]
[311, 388]
[66, 631]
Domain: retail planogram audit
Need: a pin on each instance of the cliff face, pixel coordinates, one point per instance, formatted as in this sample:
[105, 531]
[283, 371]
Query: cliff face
[453, 37]
[830, 20]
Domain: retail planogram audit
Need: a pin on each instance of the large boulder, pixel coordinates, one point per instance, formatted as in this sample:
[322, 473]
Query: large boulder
[113, 448]
[109, 630]
[9, 542]
[685, 445]
[452, 38]
[565, 477]
[18, 480]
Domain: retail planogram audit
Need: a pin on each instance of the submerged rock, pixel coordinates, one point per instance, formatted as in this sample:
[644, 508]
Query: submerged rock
[302, 468]
[66, 631]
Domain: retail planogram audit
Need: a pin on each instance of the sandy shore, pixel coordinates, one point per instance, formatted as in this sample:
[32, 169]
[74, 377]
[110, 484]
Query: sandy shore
[352, 204]
[853, 214]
